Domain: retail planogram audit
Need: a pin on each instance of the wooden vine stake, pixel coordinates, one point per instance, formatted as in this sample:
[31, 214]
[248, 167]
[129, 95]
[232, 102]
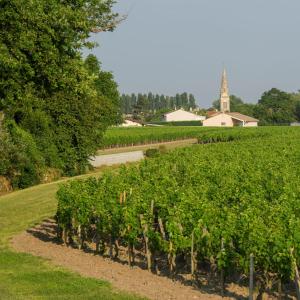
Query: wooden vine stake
[297, 281]
[152, 207]
[192, 256]
[131, 257]
[279, 289]
[297, 278]
[116, 244]
[129, 250]
[65, 236]
[97, 240]
[111, 242]
[129, 254]
[222, 272]
[171, 258]
[146, 239]
[251, 280]
[79, 237]
[161, 227]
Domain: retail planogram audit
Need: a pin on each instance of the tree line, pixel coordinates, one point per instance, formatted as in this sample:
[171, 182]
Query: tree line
[54, 105]
[142, 103]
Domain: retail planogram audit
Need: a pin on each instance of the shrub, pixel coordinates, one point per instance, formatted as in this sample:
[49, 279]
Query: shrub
[152, 152]
[20, 161]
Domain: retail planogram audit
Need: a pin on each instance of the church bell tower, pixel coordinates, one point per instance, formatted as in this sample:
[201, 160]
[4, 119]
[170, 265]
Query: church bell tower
[224, 95]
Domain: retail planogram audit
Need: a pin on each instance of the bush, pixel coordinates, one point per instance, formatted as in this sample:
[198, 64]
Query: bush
[152, 153]
[20, 161]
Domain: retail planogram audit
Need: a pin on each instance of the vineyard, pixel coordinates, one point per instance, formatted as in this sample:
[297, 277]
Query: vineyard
[210, 208]
[118, 137]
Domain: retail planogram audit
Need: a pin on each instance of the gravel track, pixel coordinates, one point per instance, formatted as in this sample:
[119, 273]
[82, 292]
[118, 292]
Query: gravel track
[41, 241]
[115, 159]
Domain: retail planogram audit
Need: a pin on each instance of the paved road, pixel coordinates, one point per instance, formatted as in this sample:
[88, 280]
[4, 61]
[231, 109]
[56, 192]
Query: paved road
[114, 159]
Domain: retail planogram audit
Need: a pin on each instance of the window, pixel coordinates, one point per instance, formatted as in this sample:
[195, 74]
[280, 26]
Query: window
[223, 123]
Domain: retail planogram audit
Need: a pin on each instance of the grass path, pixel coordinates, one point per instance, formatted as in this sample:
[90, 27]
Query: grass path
[23, 276]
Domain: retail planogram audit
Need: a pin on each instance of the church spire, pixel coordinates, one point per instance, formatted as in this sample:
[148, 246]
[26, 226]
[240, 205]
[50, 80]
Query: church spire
[224, 95]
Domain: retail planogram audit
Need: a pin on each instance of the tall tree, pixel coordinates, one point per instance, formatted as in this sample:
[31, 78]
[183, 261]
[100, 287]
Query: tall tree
[106, 88]
[192, 101]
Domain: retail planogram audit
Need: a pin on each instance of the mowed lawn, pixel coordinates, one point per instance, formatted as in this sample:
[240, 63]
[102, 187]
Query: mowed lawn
[24, 276]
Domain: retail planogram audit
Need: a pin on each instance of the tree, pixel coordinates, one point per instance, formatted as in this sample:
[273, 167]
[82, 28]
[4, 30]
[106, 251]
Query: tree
[237, 105]
[146, 105]
[297, 111]
[192, 101]
[45, 90]
[185, 100]
[275, 107]
[296, 100]
[106, 88]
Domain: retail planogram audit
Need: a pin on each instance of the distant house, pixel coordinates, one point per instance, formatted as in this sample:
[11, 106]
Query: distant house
[230, 119]
[182, 115]
[225, 118]
[131, 123]
[295, 124]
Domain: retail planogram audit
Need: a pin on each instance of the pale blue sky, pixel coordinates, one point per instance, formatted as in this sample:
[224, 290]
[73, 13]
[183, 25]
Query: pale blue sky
[172, 46]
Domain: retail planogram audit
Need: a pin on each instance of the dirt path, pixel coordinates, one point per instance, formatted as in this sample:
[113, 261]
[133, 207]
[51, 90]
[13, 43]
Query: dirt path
[116, 159]
[40, 241]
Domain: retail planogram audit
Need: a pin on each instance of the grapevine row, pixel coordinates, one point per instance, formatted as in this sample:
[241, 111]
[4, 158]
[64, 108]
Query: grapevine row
[214, 204]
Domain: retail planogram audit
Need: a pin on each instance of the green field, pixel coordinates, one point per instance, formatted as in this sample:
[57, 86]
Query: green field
[120, 137]
[24, 276]
[235, 196]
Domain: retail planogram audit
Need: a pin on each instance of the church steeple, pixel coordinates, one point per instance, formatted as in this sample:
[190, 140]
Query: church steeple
[224, 95]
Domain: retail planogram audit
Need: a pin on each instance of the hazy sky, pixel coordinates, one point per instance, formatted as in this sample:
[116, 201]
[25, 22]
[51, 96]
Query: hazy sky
[172, 46]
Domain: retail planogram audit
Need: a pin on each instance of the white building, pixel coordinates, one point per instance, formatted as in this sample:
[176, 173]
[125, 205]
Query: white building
[130, 123]
[182, 115]
[225, 118]
[230, 119]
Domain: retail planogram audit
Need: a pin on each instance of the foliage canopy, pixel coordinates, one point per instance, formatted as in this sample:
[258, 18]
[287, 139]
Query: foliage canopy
[46, 92]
